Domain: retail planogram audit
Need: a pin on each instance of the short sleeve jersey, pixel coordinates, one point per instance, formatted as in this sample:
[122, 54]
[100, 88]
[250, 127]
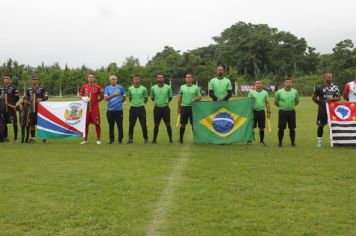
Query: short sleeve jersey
[260, 98]
[287, 99]
[188, 93]
[93, 92]
[161, 95]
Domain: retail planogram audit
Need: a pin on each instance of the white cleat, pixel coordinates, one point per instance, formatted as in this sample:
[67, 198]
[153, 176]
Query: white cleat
[98, 142]
[84, 142]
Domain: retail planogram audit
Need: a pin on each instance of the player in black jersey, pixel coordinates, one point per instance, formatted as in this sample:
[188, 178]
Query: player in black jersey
[35, 94]
[327, 92]
[10, 98]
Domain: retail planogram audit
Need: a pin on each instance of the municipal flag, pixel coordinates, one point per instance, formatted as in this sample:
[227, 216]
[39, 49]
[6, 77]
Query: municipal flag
[61, 120]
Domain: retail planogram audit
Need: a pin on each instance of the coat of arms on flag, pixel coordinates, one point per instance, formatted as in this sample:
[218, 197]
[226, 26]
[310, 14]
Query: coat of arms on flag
[342, 121]
[60, 120]
[223, 122]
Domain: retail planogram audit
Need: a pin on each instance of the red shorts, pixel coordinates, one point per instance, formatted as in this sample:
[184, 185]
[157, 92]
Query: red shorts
[93, 117]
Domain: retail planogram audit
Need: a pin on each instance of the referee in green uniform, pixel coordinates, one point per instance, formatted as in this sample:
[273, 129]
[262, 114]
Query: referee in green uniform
[286, 99]
[138, 97]
[188, 93]
[260, 98]
[161, 95]
[220, 88]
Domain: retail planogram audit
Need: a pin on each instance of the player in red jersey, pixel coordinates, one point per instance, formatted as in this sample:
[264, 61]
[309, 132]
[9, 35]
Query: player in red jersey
[93, 94]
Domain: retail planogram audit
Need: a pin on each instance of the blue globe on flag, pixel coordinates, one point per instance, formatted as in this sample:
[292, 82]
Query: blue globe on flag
[343, 112]
[223, 123]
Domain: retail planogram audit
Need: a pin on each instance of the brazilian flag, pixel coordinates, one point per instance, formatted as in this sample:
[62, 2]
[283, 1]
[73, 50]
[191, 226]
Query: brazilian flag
[223, 122]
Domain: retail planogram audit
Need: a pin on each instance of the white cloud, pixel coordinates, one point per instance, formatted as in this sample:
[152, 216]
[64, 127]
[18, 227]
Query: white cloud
[96, 32]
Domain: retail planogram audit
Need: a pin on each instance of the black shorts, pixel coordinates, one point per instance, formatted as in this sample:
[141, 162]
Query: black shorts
[259, 117]
[10, 117]
[137, 112]
[285, 117]
[160, 113]
[185, 114]
[322, 117]
[33, 118]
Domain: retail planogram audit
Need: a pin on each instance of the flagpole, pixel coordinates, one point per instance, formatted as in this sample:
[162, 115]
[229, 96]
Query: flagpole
[330, 131]
[34, 102]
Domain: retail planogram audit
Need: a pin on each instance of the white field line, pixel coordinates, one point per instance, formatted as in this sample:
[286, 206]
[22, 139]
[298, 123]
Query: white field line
[165, 201]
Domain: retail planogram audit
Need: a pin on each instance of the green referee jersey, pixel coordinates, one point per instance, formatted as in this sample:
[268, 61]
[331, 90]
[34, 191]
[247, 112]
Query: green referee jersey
[161, 95]
[287, 99]
[137, 95]
[260, 99]
[188, 93]
[220, 86]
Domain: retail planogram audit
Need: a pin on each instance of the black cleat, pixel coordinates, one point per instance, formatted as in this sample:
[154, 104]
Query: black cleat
[146, 141]
[154, 142]
[180, 141]
[129, 141]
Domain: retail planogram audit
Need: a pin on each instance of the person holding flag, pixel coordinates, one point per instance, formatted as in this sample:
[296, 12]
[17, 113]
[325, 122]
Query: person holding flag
[188, 93]
[260, 98]
[35, 94]
[11, 97]
[138, 96]
[24, 109]
[93, 94]
[114, 94]
[327, 92]
[161, 95]
[350, 91]
[220, 88]
[286, 99]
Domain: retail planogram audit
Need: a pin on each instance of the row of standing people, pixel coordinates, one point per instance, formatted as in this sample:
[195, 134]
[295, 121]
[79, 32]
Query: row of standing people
[220, 89]
[287, 98]
[9, 96]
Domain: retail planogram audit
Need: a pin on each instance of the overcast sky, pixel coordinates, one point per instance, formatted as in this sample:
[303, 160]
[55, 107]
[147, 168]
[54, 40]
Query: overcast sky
[97, 32]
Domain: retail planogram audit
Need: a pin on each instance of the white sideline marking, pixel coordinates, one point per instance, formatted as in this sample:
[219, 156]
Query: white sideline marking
[168, 193]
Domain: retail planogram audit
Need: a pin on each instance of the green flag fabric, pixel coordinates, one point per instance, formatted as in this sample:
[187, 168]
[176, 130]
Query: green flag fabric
[223, 122]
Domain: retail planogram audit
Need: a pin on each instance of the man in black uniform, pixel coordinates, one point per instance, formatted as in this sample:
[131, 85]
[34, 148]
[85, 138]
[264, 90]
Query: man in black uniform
[10, 96]
[327, 92]
[35, 94]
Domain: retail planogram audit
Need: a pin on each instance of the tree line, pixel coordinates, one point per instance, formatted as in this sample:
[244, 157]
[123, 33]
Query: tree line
[248, 52]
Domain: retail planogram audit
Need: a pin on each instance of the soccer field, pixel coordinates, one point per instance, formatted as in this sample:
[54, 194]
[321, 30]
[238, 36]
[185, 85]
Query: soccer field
[63, 188]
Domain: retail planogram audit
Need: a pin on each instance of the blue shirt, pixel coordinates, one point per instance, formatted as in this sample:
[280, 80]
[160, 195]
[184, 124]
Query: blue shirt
[115, 103]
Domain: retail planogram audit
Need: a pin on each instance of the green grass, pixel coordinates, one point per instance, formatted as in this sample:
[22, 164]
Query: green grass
[63, 188]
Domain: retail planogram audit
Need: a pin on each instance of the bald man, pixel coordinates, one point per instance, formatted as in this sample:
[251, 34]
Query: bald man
[327, 92]
[220, 88]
